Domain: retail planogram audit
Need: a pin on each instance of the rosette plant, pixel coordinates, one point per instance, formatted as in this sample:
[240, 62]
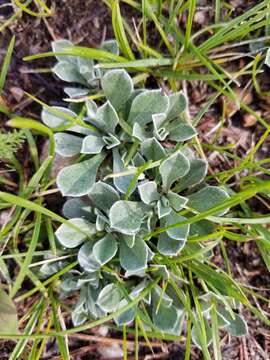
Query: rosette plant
[133, 192]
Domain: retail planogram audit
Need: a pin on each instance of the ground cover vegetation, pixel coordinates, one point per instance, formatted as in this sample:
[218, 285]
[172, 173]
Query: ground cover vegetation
[142, 239]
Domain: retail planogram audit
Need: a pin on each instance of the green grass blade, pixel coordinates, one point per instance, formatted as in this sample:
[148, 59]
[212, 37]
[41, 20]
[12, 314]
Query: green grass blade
[27, 261]
[6, 63]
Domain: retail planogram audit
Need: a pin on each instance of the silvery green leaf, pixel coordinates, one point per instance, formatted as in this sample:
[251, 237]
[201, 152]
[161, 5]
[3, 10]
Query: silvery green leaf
[237, 325]
[109, 298]
[150, 253]
[196, 174]
[69, 284]
[163, 209]
[91, 306]
[160, 270]
[207, 198]
[59, 46]
[152, 149]
[159, 120]
[78, 317]
[67, 144]
[77, 180]
[70, 238]
[75, 92]
[86, 258]
[105, 249]
[177, 104]
[68, 71]
[91, 279]
[86, 68]
[267, 58]
[168, 246]
[148, 192]
[126, 317]
[196, 338]
[180, 232]
[138, 273]
[111, 141]
[165, 317]
[138, 160]
[140, 133]
[117, 86]
[127, 216]
[8, 314]
[52, 120]
[181, 132]
[91, 108]
[135, 258]
[176, 201]
[76, 208]
[92, 144]
[173, 168]
[129, 239]
[100, 223]
[146, 104]
[110, 46]
[103, 196]
[201, 228]
[120, 182]
[106, 118]
[158, 294]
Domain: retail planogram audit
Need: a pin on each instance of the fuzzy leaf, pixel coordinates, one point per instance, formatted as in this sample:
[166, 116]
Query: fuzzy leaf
[117, 86]
[152, 149]
[177, 233]
[8, 314]
[177, 104]
[129, 239]
[68, 71]
[86, 258]
[86, 68]
[127, 216]
[110, 46]
[140, 133]
[196, 338]
[120, 182]
[126, 317]
[146, 104]
[163, 207]
[91, 108]
[109, 298]
[168, 246]
[135, 258]
[92, 144]
[103, 196]
[182, 132]
[173, 168]
[165, 317]
[59, 46]
[159, 121]
[237, 325]
[67, 144]
[176, 201]
[196, 174]
[106, 118]
[77, 180]
[52, 120]
[70, 238]
[105, 249]
[76, 208]
[207, 198]
[148, 192]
